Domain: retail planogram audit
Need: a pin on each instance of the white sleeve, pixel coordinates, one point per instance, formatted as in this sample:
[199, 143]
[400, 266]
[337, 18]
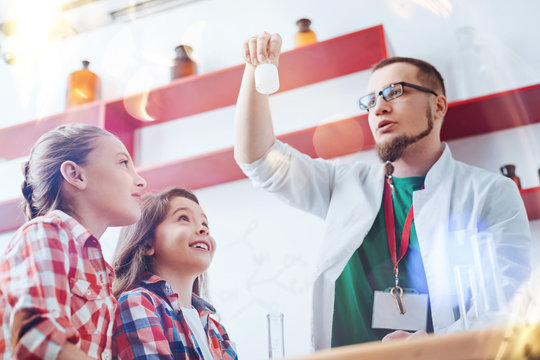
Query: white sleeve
[299, 180]
[505, 217]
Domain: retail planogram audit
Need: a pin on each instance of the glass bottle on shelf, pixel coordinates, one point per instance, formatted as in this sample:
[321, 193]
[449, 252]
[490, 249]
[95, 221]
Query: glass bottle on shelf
[304, 35]
[510, 172]
[183, 64]
[83, 86]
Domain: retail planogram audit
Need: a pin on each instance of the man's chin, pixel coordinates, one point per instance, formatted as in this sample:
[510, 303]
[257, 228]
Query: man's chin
[392, 149]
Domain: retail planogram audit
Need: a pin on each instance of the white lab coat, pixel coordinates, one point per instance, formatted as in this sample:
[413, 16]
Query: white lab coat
[457, 197]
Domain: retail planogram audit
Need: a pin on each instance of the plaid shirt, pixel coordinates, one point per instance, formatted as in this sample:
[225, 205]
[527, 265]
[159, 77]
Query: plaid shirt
[55, 287]
[149, 325]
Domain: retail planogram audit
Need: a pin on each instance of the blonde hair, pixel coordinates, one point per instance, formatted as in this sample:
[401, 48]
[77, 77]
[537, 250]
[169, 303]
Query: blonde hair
[41, 187]
[130, 261]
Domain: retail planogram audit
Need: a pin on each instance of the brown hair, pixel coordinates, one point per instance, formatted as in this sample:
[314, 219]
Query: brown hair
[41, 187]
[130, 261]
[427, 74]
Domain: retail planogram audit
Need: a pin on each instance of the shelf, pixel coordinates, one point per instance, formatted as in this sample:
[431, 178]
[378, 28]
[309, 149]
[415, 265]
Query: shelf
[224, 169]
[11, 215]
[17, 140]
[505, 110]
[310, 64]
[494, 112]
[531, 199]
[307, 65]
[299, 67]
[514, 108]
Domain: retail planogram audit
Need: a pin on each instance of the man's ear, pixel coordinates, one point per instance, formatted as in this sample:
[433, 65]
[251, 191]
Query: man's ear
[441, 106]
[73, 174]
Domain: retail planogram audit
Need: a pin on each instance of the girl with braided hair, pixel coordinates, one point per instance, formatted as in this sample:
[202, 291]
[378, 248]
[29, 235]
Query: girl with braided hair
[56, 300]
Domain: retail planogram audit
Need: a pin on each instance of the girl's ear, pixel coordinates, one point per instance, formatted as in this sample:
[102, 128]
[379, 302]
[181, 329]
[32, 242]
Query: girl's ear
[149, 250]
[73, 174]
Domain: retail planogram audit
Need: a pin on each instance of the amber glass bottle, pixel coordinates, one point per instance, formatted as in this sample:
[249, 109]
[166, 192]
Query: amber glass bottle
[183, 64]
[510, 172]
[82, 86]
[304, 35]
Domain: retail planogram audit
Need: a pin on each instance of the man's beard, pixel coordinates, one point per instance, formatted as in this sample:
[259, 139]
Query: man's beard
[394, 149]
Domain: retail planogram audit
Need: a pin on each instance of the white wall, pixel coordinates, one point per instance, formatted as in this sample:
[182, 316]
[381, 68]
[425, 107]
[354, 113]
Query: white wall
[266, 249]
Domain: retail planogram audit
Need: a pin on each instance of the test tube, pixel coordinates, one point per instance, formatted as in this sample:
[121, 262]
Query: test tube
[276, 346]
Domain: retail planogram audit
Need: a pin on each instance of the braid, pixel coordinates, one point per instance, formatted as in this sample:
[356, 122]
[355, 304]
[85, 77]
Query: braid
[28, 194]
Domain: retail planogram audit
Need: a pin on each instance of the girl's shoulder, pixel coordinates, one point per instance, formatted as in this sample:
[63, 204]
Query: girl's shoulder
[55, 218]
[138, 296]
[54, 221]
[55, 229]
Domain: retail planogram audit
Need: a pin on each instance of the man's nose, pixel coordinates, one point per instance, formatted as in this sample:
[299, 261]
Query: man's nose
[381, 106]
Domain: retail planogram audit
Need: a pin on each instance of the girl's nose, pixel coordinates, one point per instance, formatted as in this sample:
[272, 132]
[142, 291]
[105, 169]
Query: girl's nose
[140, 181]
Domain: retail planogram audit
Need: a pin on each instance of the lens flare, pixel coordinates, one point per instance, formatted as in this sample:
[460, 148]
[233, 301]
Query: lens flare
[136, 105]
[339, 138]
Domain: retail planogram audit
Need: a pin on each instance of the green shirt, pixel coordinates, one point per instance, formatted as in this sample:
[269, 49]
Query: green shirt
[371, 268]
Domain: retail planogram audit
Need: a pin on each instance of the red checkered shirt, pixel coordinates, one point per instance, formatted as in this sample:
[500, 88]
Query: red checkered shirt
[54, 270]
[150, 325]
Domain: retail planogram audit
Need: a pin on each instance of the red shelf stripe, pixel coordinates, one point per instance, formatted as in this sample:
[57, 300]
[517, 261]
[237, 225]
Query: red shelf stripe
[307, 65]
[531, 198]
[11, 215]
[17, 140]
[354, 135]
[219, 167]
[200, 93]
[499, 111]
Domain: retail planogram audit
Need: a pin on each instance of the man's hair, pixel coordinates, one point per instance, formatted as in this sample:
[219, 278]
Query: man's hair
[428, 75]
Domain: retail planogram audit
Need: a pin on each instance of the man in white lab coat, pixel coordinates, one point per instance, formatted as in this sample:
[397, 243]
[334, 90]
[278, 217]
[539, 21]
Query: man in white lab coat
[400, 254]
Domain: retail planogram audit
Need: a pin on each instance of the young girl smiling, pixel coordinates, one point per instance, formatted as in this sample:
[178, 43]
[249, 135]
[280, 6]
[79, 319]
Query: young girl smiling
[159, 263]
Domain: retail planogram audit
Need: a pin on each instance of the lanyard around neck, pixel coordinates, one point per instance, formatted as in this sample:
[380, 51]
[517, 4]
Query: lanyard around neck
[390, 227]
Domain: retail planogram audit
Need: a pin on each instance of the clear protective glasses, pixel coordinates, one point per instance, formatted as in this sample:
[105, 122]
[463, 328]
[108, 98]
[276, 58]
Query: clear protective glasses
[391, 92]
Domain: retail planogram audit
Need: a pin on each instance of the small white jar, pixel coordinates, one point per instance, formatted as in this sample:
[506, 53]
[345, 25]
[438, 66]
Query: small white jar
[266, 78]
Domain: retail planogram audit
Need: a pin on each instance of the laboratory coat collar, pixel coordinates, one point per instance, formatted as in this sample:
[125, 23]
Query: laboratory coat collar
[441, 170]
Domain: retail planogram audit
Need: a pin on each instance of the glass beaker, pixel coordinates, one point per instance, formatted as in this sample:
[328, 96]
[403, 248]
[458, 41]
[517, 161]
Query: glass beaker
[491, 296]
[467, 294]
[478, 282]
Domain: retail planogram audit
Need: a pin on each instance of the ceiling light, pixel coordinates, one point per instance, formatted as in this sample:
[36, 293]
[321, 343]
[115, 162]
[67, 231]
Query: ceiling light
[146, 8]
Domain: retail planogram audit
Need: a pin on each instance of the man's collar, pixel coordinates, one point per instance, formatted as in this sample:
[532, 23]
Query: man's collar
[442, 168]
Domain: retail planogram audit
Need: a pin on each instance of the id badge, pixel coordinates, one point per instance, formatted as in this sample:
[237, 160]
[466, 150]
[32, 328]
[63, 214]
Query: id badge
[386, 314]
